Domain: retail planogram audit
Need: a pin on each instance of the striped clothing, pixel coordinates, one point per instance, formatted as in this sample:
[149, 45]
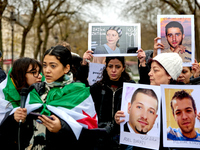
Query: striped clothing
[175, 134]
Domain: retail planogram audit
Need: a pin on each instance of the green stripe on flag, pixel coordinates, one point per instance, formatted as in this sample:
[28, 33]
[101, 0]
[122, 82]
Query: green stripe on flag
[10, 92]
[68, 97]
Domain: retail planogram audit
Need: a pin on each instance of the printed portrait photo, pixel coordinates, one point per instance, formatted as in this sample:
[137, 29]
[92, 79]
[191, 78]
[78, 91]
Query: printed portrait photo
[180, 109]
[141, 105]
[114, 40]
[177, 35]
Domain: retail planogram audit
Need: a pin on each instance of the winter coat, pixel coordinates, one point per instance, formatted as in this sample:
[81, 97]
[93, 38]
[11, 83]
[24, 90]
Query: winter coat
[107, 102]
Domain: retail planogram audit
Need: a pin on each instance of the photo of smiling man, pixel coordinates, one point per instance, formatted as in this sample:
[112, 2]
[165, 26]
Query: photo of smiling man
[142, 111]
[140, 125]
[184, 112]
[181, 116]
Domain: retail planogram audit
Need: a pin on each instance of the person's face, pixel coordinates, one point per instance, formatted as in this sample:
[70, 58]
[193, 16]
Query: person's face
[112, 37]
[142, 113]
[33, 76]
[53, 68]
[184, 115]
[114, 69]
[185, 75]
[158, 75]
[174, 37]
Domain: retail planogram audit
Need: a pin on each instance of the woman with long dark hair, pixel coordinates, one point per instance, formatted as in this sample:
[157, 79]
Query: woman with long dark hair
[56, 108]
[107, 94]
[25, 72]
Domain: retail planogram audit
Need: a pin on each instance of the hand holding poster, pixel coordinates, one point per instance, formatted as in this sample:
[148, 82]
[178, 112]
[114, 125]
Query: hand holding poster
[114, 40]
[177, 35]
[141, 106]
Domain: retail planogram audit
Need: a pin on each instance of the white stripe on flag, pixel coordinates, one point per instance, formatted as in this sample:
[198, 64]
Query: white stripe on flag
[4, 104]
[63, 114]
[87, 105]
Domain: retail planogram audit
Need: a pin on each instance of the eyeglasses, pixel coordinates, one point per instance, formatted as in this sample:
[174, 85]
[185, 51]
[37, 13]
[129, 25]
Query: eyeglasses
[35, 73]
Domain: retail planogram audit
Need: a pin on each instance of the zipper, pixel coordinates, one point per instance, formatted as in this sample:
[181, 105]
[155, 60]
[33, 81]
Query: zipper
[113, 100]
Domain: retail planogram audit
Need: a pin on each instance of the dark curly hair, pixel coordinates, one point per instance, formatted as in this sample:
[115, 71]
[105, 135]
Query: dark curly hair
[181, 95]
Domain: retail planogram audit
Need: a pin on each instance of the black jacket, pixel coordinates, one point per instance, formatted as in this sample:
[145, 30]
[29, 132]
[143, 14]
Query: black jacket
[126, 129]
[143, 71]
[2, 75]
[107, 101]
[64, 138]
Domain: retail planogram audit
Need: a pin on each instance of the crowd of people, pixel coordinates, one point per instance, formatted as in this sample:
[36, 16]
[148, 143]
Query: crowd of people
[63, 110]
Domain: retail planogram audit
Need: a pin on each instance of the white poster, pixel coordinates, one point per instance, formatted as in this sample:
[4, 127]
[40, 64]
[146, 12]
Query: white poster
[114, 40]
[95, 71]
[141, 106]
[177, 35]
[180, 104]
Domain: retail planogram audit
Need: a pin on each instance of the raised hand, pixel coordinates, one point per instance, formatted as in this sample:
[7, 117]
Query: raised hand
[119, 114]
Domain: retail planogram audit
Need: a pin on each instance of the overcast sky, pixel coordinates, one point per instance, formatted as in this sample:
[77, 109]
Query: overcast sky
[111, 12]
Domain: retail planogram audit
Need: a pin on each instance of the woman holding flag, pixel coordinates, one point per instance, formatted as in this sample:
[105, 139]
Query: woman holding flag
[25, 72]
[62, 108]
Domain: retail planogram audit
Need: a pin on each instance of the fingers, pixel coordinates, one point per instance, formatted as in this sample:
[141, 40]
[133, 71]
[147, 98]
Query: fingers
[118, 115]
[87, 57]
[158, 45]
[180, 48]
[141, 55]
[52, 125]
[45, 120]
[89, 51]
[139, 50]
[20, 114]
[156, 39]
[196, 69]
[195, 64]
[198, 116]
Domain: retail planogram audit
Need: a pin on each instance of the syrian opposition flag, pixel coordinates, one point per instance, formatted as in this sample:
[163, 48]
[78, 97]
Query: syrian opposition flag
[73, 103]
[9, 98]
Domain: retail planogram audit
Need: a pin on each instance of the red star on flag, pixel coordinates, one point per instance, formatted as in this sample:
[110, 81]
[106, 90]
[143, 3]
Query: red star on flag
[91, 122]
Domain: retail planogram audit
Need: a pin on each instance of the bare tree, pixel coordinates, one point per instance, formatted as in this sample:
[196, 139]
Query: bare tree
[188, 7]
[43, 15]
[53, 13]
[146, 12]
[29, 25]
[3, 4]
[25, 22]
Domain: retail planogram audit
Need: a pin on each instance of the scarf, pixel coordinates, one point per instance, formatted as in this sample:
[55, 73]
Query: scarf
[61, 82]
